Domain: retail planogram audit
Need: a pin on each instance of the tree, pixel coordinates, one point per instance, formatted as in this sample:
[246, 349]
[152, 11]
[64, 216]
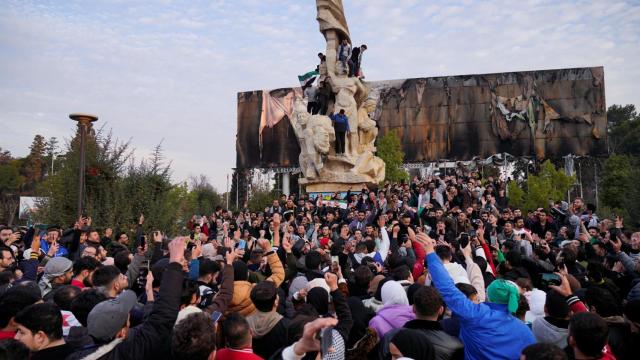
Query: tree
[35, 163]
[203, 197]
[11, 183]
[624, 129]
[536, 191]
[239, 181]
[51, 151]
[390, 151]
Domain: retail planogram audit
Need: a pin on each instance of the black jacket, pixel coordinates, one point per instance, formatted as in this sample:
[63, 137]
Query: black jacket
[275, 339]
[446, 346]
[151, 340]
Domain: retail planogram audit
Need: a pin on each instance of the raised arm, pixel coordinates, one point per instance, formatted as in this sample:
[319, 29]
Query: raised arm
[453, 297]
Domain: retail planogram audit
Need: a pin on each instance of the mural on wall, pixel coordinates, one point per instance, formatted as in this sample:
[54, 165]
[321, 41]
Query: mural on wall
[548, 113]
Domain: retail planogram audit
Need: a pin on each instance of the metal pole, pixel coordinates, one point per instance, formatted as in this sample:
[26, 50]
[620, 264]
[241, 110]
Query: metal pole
[580, 181]
[83, 122]
[595, 176]
[227, 191]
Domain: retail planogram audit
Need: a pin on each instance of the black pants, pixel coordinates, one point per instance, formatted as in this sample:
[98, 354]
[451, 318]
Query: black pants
[313, 107]
[322, 104]
[340, 142]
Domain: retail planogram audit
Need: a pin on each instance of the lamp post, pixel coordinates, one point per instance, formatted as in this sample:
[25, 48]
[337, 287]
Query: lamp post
[83, 122]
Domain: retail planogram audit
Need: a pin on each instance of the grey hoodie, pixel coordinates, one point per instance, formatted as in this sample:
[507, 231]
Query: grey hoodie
[545, 332]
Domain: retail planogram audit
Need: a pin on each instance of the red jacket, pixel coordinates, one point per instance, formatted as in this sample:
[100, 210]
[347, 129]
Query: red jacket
[233, 354]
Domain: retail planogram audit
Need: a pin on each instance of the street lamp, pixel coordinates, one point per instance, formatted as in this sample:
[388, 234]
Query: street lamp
[83, 122]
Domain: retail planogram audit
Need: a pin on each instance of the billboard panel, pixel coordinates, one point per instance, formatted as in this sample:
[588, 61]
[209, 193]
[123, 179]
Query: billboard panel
[547, 114]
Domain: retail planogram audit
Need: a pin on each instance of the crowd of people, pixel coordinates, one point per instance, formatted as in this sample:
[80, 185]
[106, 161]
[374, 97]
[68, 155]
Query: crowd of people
[436, 268]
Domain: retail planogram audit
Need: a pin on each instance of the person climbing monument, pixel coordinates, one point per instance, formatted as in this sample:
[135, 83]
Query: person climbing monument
[341, 127]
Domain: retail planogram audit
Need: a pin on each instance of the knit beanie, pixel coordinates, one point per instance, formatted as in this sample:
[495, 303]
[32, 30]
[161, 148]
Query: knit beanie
[503, 292]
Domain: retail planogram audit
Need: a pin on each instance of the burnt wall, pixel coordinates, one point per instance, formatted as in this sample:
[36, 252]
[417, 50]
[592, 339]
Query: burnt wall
[547, 114]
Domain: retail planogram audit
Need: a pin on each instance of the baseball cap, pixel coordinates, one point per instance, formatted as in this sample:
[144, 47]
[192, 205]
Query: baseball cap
[108, 317]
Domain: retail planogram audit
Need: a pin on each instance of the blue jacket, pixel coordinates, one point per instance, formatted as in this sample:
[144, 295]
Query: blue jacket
[487, 330]
[62, 251]
[341, 122]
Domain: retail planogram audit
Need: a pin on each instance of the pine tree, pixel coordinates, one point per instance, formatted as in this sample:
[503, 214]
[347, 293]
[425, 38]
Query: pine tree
[33, 167]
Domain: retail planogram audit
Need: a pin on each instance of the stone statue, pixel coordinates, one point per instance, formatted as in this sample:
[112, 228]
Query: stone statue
[315, 135]
[367, 130]
[323, 170]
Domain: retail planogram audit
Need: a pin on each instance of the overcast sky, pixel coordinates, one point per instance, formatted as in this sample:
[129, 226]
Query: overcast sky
[170, 70]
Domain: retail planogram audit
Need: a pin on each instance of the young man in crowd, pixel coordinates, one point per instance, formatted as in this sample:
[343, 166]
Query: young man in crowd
[304, 260]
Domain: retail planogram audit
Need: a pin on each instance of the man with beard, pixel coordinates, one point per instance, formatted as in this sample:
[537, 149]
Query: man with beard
[57, 272]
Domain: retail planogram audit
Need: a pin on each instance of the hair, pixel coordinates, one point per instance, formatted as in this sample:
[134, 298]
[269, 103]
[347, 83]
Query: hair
[569, 256]
[603, 300]
[82, 305]
[444, 252]
[401, 273]
[85, 263]
[189, 288]
[240, 271]
[256, 255]
[362, 276]
[596, 271]
[312, 260]
[121, 260]
[11, 349]
[208, 266]
[105, 275]
[525, 284]
[371, 245]
[427, 301]
[45, 317]
[64, 295]
[543, 351]
[590, 333]
[16, 299]
[467, 289]
[236, 331]
[556, 305]
[264, 296]
[514, 258]
[193, 338]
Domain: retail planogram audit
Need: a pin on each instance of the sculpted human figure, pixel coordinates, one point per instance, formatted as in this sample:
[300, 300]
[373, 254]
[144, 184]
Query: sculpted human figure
[315, 135]
[315, 132]
[367, 130]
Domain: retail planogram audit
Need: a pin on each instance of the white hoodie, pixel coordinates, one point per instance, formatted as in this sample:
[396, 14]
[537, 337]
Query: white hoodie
[457, 273]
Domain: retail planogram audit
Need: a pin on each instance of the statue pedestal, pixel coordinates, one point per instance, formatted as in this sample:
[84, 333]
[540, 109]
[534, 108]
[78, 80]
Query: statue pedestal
[327, 187]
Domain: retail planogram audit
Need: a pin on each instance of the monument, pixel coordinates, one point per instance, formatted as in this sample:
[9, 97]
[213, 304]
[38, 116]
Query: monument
[542, 114]
[323, 170]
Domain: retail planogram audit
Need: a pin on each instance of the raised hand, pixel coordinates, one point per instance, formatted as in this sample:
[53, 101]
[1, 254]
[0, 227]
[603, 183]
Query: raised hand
[141, 219]
[309, 341]
[332, 280]
[157, 236]
[287, 245]
[197, 250]
[53, 249]
[176, 250]
[231, 256]
[264, 244]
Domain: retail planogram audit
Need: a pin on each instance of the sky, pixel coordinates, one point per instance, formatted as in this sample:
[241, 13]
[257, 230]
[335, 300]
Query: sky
[169, 71]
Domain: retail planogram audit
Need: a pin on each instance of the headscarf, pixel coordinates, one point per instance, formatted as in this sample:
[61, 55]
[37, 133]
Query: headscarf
[394, 294]
[413, 344]
[319, 299]
[503, 292]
